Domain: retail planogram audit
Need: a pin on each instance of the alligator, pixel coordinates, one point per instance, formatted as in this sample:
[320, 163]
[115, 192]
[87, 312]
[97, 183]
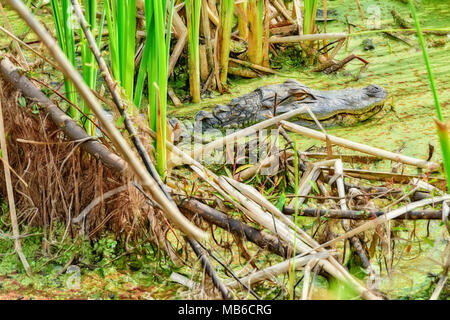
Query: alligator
[342, 107]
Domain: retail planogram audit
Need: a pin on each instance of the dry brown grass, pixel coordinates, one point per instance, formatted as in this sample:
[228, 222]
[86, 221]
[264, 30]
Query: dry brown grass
[63, 180]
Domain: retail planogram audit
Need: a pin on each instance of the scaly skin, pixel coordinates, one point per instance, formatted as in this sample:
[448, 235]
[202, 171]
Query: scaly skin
[341, 107]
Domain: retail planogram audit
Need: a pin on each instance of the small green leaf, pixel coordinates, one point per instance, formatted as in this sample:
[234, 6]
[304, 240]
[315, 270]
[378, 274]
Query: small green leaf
[314, 185]
[120, 121]
[22, 102]
[35, 109]
[280, 202]
[228, 172]
[428, 241]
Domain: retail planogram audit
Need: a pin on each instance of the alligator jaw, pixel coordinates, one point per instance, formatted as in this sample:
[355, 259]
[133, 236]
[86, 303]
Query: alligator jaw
[342, 119]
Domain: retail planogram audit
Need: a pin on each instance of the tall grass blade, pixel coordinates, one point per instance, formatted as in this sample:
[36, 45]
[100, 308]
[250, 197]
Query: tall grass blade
[255, 13]
[64, 25]
[193, 8]
[441, 127]
[224, 41]
[309, 22]
[121, 21]
[158, 19]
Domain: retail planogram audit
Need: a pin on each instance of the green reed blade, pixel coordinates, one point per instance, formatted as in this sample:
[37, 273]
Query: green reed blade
[442, 128]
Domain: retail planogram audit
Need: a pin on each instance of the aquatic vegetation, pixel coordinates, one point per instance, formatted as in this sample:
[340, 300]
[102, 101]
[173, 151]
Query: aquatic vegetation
[255, 16]
[224, 40]
[64, 25]
[193, 8]
[310, 9]
[121, 20]
[158, 22]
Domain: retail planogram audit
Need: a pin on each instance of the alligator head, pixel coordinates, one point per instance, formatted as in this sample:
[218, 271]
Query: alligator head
[340, 107]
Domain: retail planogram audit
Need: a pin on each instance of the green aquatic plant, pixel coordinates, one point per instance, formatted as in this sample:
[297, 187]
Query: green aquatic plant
[64, 25]
[309, 13]
[193, 28]
[65, 32]
[442, 128]
[224, 40]
[158, 15]
[121, 21]
[255, 16]
[89, 66]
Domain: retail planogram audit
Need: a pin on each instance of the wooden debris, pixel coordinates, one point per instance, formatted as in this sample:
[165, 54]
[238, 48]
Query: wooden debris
[363, 215]
[360, 147]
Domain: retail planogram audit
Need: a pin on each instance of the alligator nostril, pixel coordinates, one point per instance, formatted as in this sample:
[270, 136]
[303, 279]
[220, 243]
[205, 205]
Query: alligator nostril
[373, 90]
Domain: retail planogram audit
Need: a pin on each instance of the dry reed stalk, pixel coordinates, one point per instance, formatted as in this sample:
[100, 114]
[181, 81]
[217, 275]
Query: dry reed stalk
[10, 192]
[22, 59]
[307, 277]
[267, 162]
[308, 178]
[181, 30]
[277, 269]
[307, 37]
[359, 146]
[298, 15]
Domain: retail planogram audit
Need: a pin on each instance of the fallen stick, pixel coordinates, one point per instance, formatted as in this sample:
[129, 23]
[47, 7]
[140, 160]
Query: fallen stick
[205, 150]
[209, 268]
[236, 227]
[308, 177]
[350, 158]
[59, 118]
[254, 66]
[181, 43]
[306, 278]
[283, 267]
[382, 176]
[259, 199]
[284, 30]
[267, 162]
[339, 171]
[363, 215]
[307, 37]
[304, 185]
[297, 8]
[355, 242]
[360, 147]
[281, 8]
